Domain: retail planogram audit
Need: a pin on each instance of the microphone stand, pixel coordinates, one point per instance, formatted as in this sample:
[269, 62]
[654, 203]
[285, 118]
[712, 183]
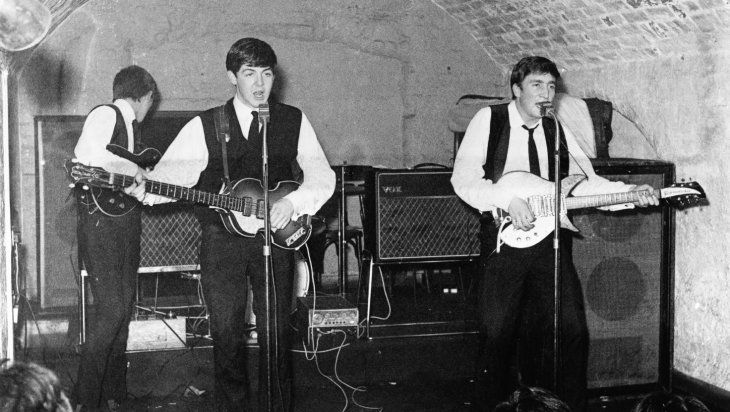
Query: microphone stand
[264, 119]
[549, 111]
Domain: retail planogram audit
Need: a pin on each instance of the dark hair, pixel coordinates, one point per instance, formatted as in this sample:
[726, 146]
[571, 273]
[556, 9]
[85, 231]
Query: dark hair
[29, 387]
[529, 65]
[250, 52]
[663, 401]
[133, 82]
[532, 399]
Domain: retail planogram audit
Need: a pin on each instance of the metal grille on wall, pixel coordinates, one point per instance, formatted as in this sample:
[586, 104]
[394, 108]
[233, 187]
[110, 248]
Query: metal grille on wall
[170, 238]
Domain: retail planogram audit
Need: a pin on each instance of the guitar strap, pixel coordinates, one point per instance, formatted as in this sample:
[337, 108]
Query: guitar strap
[222, 132]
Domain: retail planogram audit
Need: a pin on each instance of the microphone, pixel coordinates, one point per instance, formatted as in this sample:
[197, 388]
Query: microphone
[264, 113]
[546, 109]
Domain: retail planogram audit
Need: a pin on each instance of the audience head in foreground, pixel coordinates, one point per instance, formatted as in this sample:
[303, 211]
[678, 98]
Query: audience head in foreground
[27, 386]
[532, 399]
[662, 401]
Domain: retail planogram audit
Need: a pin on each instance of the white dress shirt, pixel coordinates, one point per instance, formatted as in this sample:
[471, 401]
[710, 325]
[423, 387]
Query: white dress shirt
[97, 134]
[187, 157]
[483, 195]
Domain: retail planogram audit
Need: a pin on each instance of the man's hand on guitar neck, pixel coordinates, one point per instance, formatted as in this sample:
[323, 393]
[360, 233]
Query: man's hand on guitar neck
[647, 196]
[137, 189]
[520, 213]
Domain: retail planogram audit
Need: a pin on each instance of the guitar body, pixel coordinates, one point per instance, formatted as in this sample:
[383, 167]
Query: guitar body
[293, 236]
[114, 203]
[535, 190]
[146, 159]
[540, 193]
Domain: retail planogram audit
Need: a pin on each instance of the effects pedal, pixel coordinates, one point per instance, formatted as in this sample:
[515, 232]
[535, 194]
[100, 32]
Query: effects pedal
[325, 313]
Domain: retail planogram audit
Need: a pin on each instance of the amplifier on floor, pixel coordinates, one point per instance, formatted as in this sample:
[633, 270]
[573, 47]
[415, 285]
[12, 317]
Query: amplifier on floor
[325, 313]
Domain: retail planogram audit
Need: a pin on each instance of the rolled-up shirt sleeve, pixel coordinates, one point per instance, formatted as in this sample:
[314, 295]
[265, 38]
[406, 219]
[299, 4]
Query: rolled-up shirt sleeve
[318, 183]
[594, 184]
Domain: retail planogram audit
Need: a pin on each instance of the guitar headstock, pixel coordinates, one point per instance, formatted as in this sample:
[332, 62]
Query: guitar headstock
[89, 175]
[683, 194]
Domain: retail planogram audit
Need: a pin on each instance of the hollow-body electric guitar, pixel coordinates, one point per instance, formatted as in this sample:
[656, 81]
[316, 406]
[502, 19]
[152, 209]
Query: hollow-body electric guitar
[241, 207]
[539, 194]
[114, 202]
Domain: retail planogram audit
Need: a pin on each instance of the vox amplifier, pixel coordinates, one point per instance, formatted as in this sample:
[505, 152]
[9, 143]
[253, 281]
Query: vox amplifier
[413, 215]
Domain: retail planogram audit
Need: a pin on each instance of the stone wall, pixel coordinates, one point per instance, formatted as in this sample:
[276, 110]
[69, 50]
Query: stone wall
[378, 77]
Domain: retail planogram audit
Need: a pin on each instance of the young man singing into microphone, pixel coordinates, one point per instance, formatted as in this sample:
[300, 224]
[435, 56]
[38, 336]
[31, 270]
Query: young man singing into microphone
[517, 282]
[198, 158]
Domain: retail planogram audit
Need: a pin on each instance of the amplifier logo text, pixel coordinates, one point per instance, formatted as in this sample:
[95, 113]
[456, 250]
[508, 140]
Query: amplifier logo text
[392, 189]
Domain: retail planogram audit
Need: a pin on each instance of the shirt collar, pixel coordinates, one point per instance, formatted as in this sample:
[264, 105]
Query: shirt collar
[126, 109]
[243, 110]
[516, 120]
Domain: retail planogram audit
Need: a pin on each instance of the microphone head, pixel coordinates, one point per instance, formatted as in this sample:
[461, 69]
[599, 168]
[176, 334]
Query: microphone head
[264, 112]
[546, 109]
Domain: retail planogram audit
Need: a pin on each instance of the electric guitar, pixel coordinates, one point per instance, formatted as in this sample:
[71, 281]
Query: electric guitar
[539, 194]
[112, 202]
[241, 207]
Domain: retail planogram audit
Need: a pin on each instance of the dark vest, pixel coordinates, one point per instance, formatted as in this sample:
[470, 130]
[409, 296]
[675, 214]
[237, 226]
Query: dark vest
[244, 156]
[119, 136]
[499, 131]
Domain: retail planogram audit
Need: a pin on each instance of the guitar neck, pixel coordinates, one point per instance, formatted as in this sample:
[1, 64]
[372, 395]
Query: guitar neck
[243, 204]
[608, 199]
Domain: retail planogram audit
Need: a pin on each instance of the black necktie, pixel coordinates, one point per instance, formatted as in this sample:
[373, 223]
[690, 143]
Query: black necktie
[532, 151]
[137, 137]
[253, 130]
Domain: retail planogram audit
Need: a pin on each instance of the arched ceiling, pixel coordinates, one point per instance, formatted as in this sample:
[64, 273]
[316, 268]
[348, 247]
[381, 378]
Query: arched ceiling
[574, 33]
[577, 33]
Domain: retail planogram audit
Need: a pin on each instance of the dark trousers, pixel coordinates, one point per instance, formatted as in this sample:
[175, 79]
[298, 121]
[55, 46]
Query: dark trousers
[109, 248]
[225, 262]
[516, 315]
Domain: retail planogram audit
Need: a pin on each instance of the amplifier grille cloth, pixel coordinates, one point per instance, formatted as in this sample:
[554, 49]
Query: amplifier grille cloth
[170, 236]
[427, 227]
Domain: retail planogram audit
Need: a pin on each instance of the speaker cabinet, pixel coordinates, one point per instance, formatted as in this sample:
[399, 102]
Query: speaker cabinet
[170, 238]
[415, 216]
[56, 250]
[625, 260]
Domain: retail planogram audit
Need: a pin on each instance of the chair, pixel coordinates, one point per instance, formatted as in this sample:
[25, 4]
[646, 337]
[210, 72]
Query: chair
[334, 226]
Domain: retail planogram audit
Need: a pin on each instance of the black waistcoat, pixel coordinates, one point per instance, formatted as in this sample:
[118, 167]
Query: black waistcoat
[499, 143]
[244, 156]
[119, 135]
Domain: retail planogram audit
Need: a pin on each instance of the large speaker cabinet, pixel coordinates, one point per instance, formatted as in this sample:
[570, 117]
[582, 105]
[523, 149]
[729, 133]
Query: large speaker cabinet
[414, 215]
[625, 263]
[56, 248]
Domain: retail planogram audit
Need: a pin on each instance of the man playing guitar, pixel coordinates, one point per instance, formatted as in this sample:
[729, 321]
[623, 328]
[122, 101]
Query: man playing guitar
[224, 144]
[515, 138]
[109, 228]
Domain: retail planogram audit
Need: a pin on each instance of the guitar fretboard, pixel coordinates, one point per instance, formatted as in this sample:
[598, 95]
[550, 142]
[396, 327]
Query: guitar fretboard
[543, 205]
[607, 199]
[245, 205]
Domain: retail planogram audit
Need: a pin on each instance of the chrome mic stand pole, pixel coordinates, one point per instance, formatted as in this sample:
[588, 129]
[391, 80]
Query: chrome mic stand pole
[264, 119]
[549, 111]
